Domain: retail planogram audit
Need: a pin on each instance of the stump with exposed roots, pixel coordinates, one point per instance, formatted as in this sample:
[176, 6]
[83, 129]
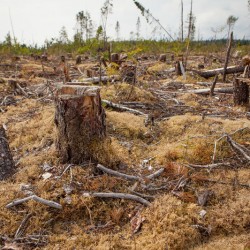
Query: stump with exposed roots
[80, 122]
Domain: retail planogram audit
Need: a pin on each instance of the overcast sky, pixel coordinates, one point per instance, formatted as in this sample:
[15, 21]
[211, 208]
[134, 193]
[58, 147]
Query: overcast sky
[35, 20]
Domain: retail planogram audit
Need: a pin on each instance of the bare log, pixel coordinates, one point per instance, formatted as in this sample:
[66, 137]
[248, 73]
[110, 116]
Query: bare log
[122, 108]
[80, 122]
[227, 56]
[119, 196]
[208, 91]
[214, 72]
[7, 165]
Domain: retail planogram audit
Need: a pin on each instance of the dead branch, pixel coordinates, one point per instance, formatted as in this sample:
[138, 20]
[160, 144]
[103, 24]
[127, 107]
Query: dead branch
[22, 227]
[239, 149]
[226, 183]
[210, 166]
[118, 174]
[118, 196]
[35, 198]
[47, 202]
[155, 174]
[224, 136]
[19, 201]
[122, 108]
[130, 177]
[213, 85]
[141, 195]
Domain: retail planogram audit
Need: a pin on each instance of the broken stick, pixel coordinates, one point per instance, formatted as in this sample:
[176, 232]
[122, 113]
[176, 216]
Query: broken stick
[118, 196]
[35, 198]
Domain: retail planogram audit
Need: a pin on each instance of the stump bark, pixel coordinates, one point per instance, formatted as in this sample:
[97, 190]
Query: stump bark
[241, 91]
[115, 58]
[163, 58]
[80, 122]
[178, 68]
[7, 165]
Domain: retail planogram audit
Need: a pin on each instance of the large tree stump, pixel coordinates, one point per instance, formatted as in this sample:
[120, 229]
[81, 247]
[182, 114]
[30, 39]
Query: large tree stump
[7, 165]
[80, 122]
[241, 91]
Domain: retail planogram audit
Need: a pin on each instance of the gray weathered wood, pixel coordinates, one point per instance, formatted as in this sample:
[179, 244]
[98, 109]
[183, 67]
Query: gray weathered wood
[7, 165]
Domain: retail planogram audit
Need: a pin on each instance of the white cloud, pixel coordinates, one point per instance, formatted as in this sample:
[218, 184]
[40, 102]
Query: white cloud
[36, 20]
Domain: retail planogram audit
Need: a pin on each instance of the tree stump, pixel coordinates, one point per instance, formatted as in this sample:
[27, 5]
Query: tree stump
[115, 58]
[241, 91]
[178, 68]
[78, 60]
[7, 165]
[80, 122]
[163, 58]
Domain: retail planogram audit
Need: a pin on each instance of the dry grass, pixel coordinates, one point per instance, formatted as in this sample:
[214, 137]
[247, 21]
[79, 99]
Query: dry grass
[91, 223]
[125, 92]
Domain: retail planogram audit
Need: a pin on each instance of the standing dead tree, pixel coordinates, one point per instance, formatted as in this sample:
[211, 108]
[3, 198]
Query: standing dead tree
[150, 18]
[7, 166]
[227, 56]
[80, 122]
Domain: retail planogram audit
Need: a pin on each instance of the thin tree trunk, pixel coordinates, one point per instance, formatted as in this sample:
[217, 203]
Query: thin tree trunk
[227, 57]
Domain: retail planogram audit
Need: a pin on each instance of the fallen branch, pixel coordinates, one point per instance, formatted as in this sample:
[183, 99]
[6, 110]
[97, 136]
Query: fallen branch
[226, 183]
[22, 227]
[122, 108]
[210, 166]
[118, 174]
[130, 177]
[224, 136]
[155, 174]
[118, 196]
[238, 148]
[35, 198]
